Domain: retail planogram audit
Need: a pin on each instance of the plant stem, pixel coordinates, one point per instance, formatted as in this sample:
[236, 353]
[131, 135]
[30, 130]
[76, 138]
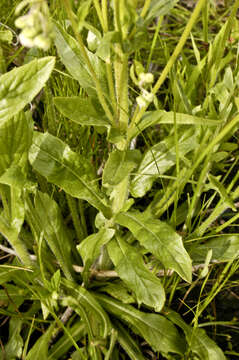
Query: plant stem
[99, 14]
[88, 63]
[138, 114]
[75, 217]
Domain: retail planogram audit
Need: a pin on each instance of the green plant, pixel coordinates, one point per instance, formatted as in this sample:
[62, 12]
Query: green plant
[113, 256]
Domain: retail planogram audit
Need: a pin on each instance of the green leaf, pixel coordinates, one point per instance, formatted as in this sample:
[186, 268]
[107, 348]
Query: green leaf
[6, 36]
[62, 346]
[91, 312]
[51, 223]
[119, 165]
[222, 191]
[159, 332]
[157, 117]
[14, 346]
[19, 86]
[90, 247]
[160, 239]
[15, 140]
[160, 158]
[224, 248]
[198, 342]
[128, 344]
[131, 269]
[71, 56]
[81, 110]
[70, 171]
[39, 351]
[159, 8]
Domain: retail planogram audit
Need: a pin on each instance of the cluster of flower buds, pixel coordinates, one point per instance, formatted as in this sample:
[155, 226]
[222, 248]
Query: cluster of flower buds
[145, 81]
[36, 27]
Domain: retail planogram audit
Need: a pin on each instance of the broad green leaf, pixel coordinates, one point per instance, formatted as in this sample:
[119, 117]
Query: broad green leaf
[15, 140]
[91, 312]
[71, 56]
[159, 332]
[50, 219]
[90, 247]
[13, 349]
[160, 239]
[224, 248]
[222, 191]
[198, 341]
[62, 346]
[70, 171]
[159, 8]
[81, 110]
[131, 269]
[119, 165]
[39, 351]
[128, 344]
[160, 158]
[19, 86]
[163, 117]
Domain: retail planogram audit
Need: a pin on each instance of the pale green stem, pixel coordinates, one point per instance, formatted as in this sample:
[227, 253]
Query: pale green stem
[145, 8]
[172, 59]
[75, 217]
[88, 63]
[105, 13]
[99, 14]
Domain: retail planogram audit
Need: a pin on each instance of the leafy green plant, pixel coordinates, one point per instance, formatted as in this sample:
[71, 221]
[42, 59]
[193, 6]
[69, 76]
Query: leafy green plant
[135, 211]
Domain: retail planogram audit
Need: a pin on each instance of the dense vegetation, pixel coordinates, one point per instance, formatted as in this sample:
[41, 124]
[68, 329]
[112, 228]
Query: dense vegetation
[119, 179]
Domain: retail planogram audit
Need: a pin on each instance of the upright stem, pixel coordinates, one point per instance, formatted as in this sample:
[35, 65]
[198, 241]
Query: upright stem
[138, 114]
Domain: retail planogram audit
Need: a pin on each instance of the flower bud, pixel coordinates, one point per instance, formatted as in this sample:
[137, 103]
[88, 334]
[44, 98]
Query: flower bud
[145, 78]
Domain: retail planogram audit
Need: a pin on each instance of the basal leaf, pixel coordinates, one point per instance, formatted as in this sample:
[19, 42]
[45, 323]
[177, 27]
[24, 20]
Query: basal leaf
[119, 165]
[71, 56]
[224, 248]
[14, 346]
[128, 343]
[131, 269]
[159, 332]
[159, 8]
[81, 110]
[90, 247]
[222, 191]
[87, 306]
[54, 159]
[15, 140]
[168, 117]
[39, 351]
[19, 86]
[198, 341]
[160, 239]
[160, 158]
[51, 223]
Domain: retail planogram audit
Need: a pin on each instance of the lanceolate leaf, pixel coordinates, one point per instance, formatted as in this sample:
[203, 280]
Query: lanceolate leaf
[19, 86]
[160, 158]
[198, 341]
[168, 117]
[40, 349]
[224, 248]
[159, 8]
[49, 217]
[81, 111]
[84, 303]
[15, 140]
[131, 269]
[71, 56]
[89, 248]
[159, 332]
[119, 165]
[54, 159]
[128, 344]
[160, 239]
